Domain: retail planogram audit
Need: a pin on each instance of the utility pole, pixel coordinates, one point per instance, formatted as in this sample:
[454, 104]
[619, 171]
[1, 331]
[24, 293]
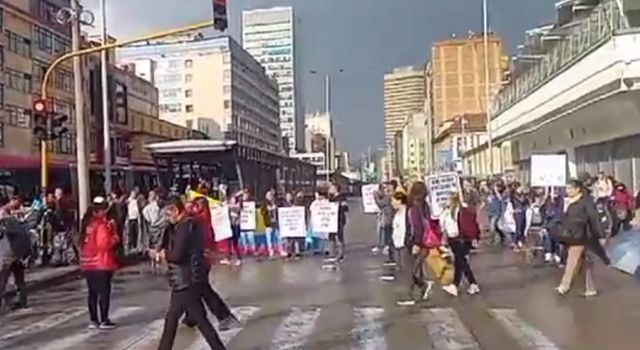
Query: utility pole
[487, 83]
[327, 109]
[81, 137]
[106, 129]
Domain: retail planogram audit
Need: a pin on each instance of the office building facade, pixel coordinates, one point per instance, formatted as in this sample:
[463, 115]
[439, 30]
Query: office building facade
[268, 35]
[214, 86]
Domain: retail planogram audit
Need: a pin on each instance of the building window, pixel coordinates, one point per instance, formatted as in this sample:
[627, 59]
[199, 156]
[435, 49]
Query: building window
[188, 63]
[226, 89]
[39, 68]
[188, 108]
[18, 116]
[188, 93]
[43, 39]
[61, 45]
[188, 78]
[173, 92]
[170, 107]
[63, 81]
[227, 104]
[18, 44]
[1, 134]
[226, 75]
[18, 81]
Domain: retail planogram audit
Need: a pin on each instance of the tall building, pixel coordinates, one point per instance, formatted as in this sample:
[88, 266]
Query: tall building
[212, 85]
[404, 95]
[319, 137]
[459, 75]
[268, 35]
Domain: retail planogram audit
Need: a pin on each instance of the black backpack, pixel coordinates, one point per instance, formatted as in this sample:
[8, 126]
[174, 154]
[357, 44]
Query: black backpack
[17, 233]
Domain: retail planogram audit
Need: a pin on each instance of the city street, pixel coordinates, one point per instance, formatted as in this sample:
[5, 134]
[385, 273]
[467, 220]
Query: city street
[298, 305]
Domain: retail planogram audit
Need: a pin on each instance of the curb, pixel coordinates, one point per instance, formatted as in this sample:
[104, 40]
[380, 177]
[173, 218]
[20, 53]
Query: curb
[58, 279]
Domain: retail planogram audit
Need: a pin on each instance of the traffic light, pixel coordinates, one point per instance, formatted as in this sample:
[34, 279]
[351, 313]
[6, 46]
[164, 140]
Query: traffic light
[40, 115]
[220, 19]
[58, 127]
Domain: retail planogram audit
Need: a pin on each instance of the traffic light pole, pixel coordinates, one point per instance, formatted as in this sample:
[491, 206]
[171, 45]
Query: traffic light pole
[81, 132]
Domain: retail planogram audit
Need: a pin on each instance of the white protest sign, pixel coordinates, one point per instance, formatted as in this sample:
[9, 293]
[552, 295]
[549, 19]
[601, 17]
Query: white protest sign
[368, 198]
[292, 223]
[220, 222]
[248, 216]
[440, 188]
[548, 170]
[324, 218]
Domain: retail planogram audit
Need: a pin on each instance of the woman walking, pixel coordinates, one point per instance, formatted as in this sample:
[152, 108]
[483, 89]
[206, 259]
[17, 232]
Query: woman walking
[581, 232]
[98, 261]
[460, 227]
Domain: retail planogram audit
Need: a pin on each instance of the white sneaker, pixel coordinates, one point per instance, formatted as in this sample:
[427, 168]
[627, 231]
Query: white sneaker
[557, 259]
[427, 291]
[473, 289]
[375, 250]
[237, 263]
[387, 278]
[225, 262]
[451, 290]
[385, 250]
[330, 260]
[547, 257]
[406, 302]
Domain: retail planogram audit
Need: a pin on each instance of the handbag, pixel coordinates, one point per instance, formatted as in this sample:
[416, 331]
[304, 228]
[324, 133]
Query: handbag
[441, 267]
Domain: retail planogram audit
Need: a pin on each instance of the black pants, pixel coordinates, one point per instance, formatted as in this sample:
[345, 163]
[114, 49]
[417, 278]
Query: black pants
[214, 303]
[233, 242]
[17, 270]
[387, 230]
[99, 284]
[132, 234]
[188, 300]
[461, 265]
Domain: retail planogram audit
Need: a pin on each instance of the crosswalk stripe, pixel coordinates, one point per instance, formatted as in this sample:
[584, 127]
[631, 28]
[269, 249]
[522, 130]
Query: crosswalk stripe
[150, 333]
[295, 329]
[243, 313]
[525, 335]
[447, 332]
[44, 324]
[369, 331]
[79, 338]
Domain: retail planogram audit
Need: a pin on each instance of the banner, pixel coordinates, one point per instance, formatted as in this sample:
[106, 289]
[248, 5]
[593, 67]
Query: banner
[220, 222]
[292, 222]
[324, 218]
[368, 198]
[548, 170]
[441, 186]
[191, 195]
[248, 216]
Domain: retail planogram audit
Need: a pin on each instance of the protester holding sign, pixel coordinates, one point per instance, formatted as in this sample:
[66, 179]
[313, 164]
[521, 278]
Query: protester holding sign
[383, 200]
[324, 218]
[336, 239]
[234, 218]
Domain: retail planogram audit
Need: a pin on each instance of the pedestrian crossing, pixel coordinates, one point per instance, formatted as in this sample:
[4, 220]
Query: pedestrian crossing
[368, 329]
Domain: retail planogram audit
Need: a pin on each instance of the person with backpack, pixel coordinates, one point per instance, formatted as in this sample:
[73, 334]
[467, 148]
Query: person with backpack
[460, 226]
[15, 249]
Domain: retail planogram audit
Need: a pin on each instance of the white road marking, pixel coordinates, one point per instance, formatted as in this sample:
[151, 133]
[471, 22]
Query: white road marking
[295, 329]
[150, 334]
[447, 332]
[525, 335]
[79, 338]
[369, 331]
[243, 313]
[44, 324]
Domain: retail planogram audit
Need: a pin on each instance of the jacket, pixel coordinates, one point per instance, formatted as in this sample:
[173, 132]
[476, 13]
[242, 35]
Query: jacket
[343, 209]
[622, 200]
[185, 255]
[203, 219]
[98, 248]
[581, 226]
[383, 202]
[462, 224]
[419, 219]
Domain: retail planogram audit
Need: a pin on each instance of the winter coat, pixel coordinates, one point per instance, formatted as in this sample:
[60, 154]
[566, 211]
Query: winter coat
[15, 241]
[383, 202]
[98, 249]
[185, 255]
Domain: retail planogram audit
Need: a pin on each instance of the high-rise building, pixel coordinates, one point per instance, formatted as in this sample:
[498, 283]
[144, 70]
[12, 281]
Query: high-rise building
[404, 95]
[268, 35]
[212, 85]
[459, 75]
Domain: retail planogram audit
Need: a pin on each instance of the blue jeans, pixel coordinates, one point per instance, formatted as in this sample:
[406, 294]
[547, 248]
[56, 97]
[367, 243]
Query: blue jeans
[549, 243]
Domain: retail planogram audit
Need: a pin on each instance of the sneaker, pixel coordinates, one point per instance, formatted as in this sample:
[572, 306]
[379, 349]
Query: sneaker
[451, 290]
[375, 250]
[107, 325]
[427, 290]
[473, 289]
[547, 257]
[93, 325]
[330, 260]
[561, 290]
[237, 263]
[225, 262]
[387, 278]
[405, 302]
[557, 259]
[385, 250]
[590, 294]
[229, 323]
[389, 264]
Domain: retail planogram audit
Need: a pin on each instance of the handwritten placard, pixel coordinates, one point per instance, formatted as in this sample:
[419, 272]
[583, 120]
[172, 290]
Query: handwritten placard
[368, 198]
[324, 217]
[441, 186]
[248, 216]
[220, 222]
[548, 170]
[292, 222]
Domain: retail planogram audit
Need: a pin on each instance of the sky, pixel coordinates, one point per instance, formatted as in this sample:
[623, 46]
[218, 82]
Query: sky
[364, 38]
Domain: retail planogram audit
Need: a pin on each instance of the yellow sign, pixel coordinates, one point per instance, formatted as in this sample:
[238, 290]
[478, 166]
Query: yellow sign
[191, 195]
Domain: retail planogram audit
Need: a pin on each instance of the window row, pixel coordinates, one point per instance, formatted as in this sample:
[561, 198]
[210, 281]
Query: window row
[18, 81]
[47, 41]
[18, 44]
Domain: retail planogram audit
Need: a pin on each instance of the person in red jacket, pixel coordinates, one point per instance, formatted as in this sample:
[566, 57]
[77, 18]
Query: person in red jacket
[98, 261]
[622, 202]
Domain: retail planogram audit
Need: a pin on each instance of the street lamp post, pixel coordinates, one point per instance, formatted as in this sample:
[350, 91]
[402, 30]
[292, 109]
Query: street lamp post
[106, 130]
[487, 87]
[327, 110]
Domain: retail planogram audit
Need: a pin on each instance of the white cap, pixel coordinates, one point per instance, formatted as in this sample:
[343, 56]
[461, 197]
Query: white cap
[99, 200]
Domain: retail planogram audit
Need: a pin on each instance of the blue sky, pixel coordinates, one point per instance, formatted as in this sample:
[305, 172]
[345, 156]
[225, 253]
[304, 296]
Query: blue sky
[365, 38]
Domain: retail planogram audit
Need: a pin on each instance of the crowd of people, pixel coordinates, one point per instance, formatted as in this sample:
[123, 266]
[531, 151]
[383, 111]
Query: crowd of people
[570, 225]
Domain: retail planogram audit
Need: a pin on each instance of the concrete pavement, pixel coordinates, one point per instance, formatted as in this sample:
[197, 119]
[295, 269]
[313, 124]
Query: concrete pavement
[298, 305]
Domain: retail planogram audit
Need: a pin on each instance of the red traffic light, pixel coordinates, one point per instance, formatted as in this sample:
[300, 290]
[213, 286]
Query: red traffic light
[40, 106]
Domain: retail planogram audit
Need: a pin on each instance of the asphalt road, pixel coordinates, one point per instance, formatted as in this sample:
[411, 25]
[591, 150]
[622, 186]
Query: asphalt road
[298, 305]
